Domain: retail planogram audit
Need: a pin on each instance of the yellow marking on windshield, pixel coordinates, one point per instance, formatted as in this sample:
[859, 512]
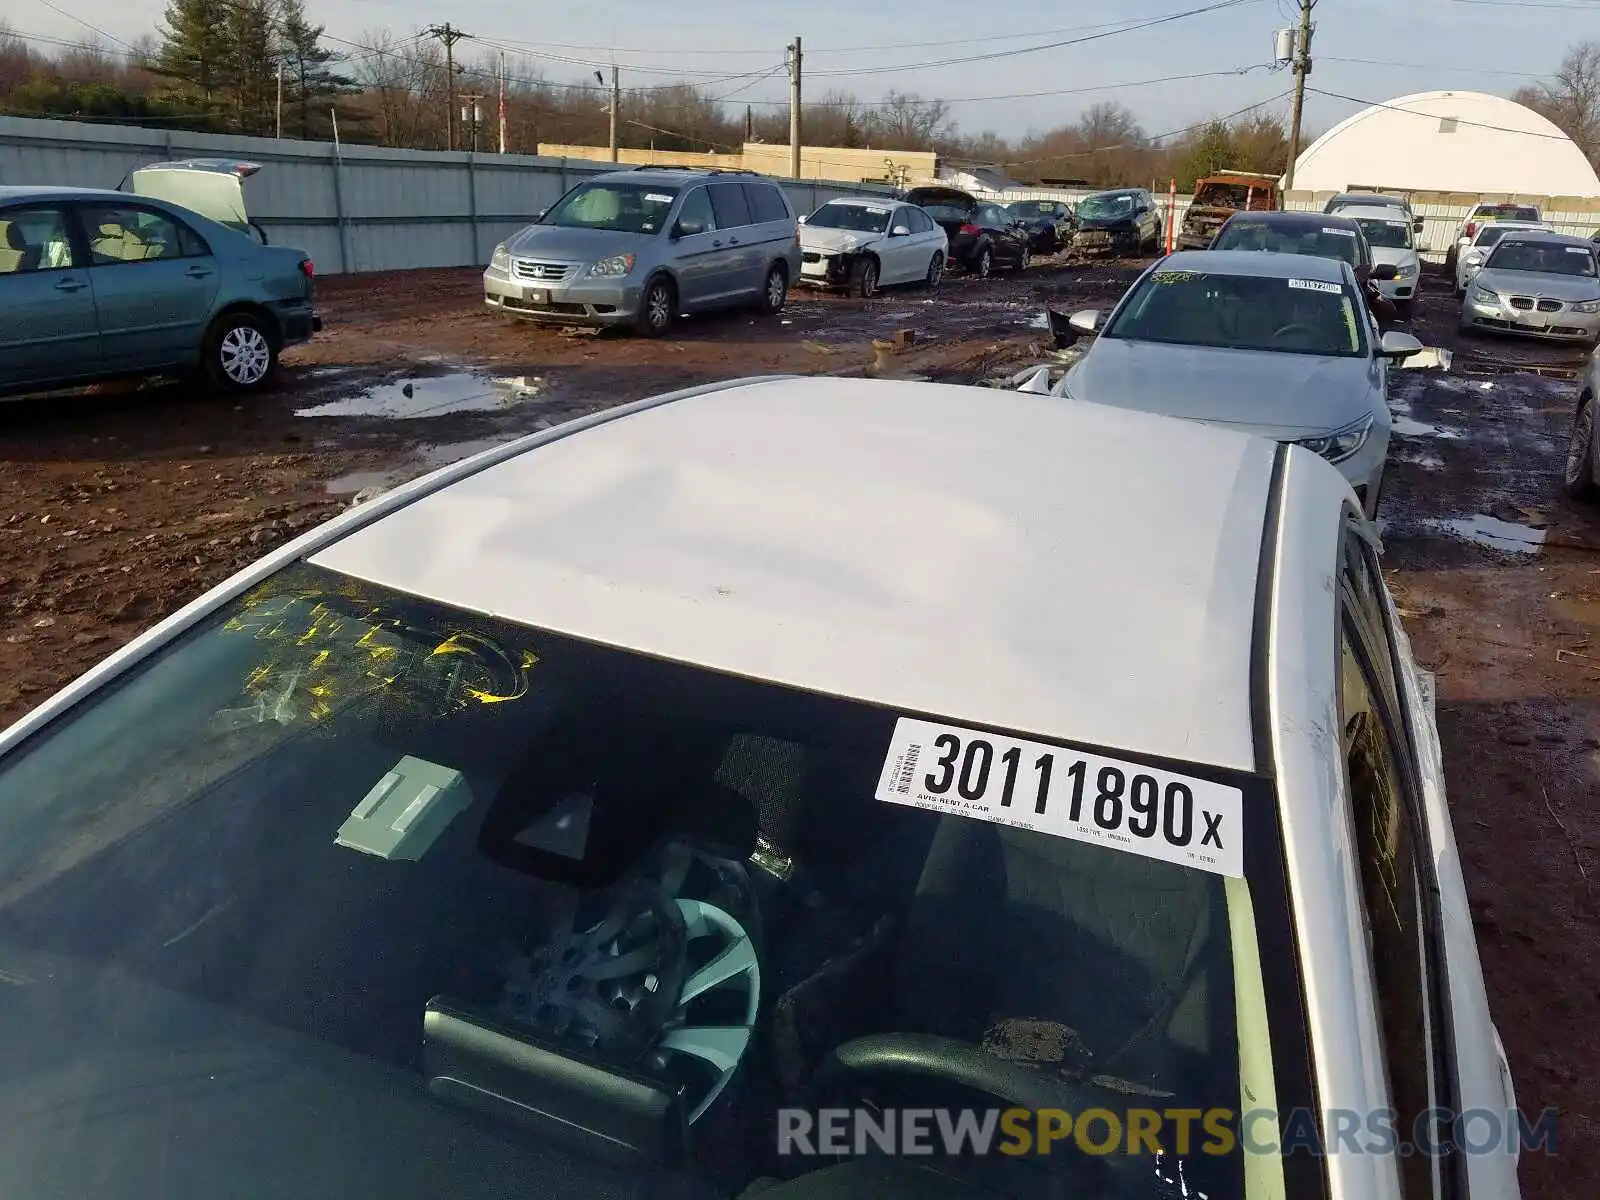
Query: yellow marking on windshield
[1349, 320]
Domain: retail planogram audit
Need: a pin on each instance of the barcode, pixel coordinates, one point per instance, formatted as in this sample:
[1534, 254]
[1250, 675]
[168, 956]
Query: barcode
[908, 769]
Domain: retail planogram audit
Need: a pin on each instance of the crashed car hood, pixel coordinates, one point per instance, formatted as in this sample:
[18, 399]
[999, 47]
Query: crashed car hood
[1398, 256]
[1529, 283]
[1105, 222]
[1280, 396]
[575, 245]
[836, 240]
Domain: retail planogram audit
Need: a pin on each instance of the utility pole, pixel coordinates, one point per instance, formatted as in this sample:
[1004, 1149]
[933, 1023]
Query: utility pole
[1302, 68]
[472, 116]
[794, 109]
[502, 102]
[280, 101]
[616, 104]
[449, 35]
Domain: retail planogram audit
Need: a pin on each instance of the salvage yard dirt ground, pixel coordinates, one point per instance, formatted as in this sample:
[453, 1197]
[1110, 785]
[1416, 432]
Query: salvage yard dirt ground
[120, 507]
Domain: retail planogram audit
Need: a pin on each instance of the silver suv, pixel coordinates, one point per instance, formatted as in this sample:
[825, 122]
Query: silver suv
[638, 248]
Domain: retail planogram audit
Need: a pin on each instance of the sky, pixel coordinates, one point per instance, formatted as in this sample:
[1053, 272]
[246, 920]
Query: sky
[1366, 50]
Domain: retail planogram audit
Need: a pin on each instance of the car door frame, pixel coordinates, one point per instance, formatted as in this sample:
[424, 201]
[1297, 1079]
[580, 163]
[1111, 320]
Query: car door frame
[84, 352]
[1472, 1072]
[902, 252]
[740, 243]
[694, 256]
[932, 238]
[175, 344]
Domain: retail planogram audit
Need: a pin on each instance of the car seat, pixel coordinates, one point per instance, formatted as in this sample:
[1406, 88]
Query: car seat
[27, 256]
[1049, 950]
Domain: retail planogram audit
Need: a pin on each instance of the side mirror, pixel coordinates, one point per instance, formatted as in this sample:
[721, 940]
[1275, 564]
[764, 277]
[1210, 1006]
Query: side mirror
[1417, 225]
[1385, 271]
[801, 219]
[1472, 257]
[1396, 346]
[1088, 320]
[900, 231]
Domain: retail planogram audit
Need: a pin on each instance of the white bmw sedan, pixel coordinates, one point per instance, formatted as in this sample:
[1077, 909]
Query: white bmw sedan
[794, 788]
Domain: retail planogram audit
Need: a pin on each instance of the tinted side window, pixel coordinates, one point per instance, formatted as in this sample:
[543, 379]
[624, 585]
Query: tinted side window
[123, 234]
[1391, 895]
[766, 202]
[33, 239]
[919, 220]
[727, 200]
[695, 215]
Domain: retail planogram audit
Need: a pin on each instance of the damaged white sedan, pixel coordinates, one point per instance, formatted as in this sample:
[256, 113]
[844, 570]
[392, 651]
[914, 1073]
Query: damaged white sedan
[862, 244]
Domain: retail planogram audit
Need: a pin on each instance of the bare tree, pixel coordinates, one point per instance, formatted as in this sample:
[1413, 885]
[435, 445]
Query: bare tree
[1572, 99]
[902, 121]
[401, 81]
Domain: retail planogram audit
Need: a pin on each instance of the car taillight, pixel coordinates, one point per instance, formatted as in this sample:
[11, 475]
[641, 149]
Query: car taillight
[969, 228]
[308, 268]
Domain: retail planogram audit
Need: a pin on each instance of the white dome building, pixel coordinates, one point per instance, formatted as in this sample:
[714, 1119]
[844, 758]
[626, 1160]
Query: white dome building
[1447, 142]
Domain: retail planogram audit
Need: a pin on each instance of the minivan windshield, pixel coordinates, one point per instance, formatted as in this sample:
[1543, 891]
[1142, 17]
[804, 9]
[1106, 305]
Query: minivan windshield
[1242, 312]
[348, 891]
[862, 218]
[622, 207]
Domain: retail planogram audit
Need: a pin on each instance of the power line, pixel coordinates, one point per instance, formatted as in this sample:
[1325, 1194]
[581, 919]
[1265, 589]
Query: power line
[1384, 62]
[1149, 23]
[1554, 137]
[1145, 142]
[55, 8]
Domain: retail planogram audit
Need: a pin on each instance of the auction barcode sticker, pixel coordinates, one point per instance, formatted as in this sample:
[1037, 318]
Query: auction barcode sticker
[1064, 792]
[1349, 233]
[1317, 285]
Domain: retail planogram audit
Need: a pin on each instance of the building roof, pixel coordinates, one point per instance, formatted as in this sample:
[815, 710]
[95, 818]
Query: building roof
[1265, 264]
[1070, 570]
[1447, 142]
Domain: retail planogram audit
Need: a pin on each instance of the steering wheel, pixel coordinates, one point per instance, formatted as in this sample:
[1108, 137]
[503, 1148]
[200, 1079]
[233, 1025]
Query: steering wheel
[925, 1056]
[1300, 328]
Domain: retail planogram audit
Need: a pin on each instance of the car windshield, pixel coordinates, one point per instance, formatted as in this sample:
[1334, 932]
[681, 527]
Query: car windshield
[947, 212]
[1544, 258]
[1242, 312]
[862, 218]
[1226, 195]
[1386, 232]
[1489, 235]
[1507, 212]
[1107, 204]
[1030, 209]
[622, 207]
[1318, 240]
[344, 890]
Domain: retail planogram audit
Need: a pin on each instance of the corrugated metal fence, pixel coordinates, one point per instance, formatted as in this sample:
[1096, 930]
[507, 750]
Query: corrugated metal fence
[359, 208]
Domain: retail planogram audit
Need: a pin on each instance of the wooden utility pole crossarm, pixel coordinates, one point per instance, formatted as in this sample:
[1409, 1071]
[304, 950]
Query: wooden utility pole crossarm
[449, 35]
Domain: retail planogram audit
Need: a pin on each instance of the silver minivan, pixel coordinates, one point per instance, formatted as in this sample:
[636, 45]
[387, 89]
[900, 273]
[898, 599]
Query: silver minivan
[639, 248]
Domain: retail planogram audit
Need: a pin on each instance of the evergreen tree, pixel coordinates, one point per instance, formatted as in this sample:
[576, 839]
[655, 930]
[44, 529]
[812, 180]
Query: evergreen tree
[251, 56]
[308, 67]
[194, 51]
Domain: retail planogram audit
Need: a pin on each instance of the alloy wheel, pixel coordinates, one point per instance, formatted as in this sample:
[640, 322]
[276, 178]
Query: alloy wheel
[246, 355]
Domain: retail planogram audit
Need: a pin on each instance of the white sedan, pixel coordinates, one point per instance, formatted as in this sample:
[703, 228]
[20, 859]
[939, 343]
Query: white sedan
[651, 804]
[860, 245]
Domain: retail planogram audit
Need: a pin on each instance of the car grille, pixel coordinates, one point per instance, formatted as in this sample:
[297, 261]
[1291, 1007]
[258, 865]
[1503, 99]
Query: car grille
[1549, 306]
[1523, 302]
[541, 272]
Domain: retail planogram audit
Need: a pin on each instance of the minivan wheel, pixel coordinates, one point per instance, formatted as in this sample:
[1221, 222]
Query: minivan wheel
[657, 308]
[241, 353]
[775, 291]
[1577, 479]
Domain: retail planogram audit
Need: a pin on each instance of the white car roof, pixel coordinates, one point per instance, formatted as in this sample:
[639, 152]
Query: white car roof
[1373, 212]
[864, 202]
[1060, 568]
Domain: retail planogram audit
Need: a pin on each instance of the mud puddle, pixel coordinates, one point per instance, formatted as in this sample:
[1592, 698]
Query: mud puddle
[433, 396]
[1492, 533]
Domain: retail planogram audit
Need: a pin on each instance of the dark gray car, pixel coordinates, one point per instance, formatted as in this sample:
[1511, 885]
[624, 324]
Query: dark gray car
[639, 248]
[100, 284]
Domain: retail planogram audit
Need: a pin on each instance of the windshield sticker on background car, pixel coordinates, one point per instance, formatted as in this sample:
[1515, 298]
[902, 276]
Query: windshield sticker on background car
[1576, 249]
[1174, 276]
[657, 198]
[1317, 285]
[877, 212]
[1066, 793]
[1349, 233]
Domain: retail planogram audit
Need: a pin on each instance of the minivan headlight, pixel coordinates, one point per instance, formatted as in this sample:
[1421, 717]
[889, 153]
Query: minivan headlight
[1342, 443]
[500, 260]
[611, 268]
